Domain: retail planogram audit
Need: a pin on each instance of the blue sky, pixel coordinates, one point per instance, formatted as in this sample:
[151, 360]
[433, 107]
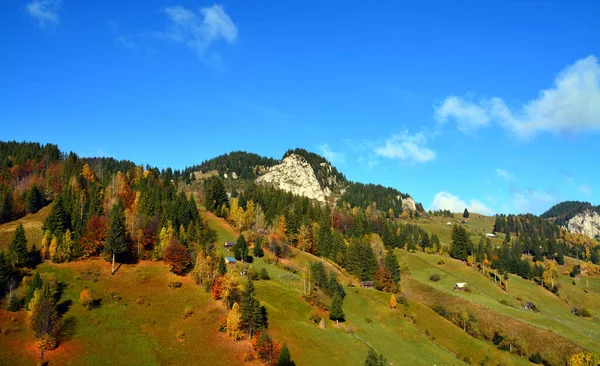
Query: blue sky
[492, 105]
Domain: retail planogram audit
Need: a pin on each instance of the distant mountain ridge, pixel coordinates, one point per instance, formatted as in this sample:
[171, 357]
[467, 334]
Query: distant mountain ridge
[308, 174]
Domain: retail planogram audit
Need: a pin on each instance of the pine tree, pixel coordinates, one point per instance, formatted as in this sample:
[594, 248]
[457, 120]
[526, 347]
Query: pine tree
[252, 313]
[257, 250]
[392, 266]
[222, 266]
[58, 220]
[285, 359]
[372, 358]
[115, 238]
[4, 272]
[17, 249]
[466, 214]
[336, 312]
[461, 246]
[242, 247]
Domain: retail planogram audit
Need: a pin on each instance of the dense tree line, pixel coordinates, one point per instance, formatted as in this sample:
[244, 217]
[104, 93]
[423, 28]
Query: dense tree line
[386, 199]
[242, 163]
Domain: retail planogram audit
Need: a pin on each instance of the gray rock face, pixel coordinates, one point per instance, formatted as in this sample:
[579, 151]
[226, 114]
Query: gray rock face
[295, 175]
[586, 223]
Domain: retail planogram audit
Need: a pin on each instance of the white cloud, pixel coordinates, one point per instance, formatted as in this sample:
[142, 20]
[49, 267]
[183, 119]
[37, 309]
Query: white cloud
[585, 189]
[45, 12]
[446, 201]
[572, 105]
[199, 31]
[468, 115]
[407, 147]
[506, 175]
[333, 156]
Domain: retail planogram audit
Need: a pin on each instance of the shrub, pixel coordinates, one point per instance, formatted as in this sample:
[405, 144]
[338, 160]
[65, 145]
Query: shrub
[536, 358]
[368, 321]
[315, 317]
[174, 284]
[434, 277]
[583, 312]
[180, 335]
[253, 275]
[264, 275]
[14, 304]
[85, 299]
[177, 256]
[441, 261]
[402, 300]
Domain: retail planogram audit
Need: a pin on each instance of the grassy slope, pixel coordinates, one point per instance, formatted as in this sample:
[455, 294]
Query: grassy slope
[140, 333]
[33, 228]
[554, 315]
[390, 332]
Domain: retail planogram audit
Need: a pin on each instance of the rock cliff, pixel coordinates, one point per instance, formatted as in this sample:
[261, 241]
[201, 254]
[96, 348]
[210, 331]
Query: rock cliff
[587, 223]
[295, 175]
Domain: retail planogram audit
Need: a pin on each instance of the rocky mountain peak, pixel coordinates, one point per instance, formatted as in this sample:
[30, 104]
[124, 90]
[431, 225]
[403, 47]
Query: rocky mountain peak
[294, 174]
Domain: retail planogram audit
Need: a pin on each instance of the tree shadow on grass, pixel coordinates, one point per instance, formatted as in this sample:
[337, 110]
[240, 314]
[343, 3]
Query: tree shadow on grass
[96, 303]
[63, 307]
[66, 329]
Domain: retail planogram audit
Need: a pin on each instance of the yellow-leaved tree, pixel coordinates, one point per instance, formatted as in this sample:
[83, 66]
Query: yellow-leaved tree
[234, 323]
[393, 302]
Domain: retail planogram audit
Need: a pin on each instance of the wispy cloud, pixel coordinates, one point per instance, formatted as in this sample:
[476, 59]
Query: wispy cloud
[572, 105]
[533, 201]
[447, 201]
[333, 156]
[45, 12]
[200, 31]
[121, 39]
[504, 174]
[407, 147]
[585, 189]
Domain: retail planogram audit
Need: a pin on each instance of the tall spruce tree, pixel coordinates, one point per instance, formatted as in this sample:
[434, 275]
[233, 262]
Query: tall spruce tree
[58, 219]
[466, 214]
[335, 311]
[391, 264]
[17, 249]
[461, 246]
[253, 315]
[115, 238]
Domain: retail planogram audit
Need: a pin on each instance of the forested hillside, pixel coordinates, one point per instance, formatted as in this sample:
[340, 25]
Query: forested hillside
[564, 211]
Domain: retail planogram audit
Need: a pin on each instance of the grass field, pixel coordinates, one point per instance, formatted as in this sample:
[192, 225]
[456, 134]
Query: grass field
[553, 319]
[32, 224]
[138, 329]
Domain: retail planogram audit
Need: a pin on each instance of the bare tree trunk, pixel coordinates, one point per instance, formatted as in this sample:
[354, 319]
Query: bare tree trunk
[113, 264]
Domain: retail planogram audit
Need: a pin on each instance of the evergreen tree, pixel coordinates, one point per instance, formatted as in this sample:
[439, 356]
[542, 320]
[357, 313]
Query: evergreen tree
[4, 272]
[17, 249]
[374, 360]
[285, 359]
[35, 283]
[215, 194]
[222, 266]
[257, 250]
[6, 206]
[461, 246]
[335, 311]
[391, 265]
[58, 219]
[253, 315]
[560, 258]
[115, 238]
[466, 214]
[242, 247]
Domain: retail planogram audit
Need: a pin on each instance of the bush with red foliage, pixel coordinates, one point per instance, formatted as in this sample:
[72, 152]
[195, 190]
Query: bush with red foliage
[265, 348]
[217, 288]
[177, 256]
